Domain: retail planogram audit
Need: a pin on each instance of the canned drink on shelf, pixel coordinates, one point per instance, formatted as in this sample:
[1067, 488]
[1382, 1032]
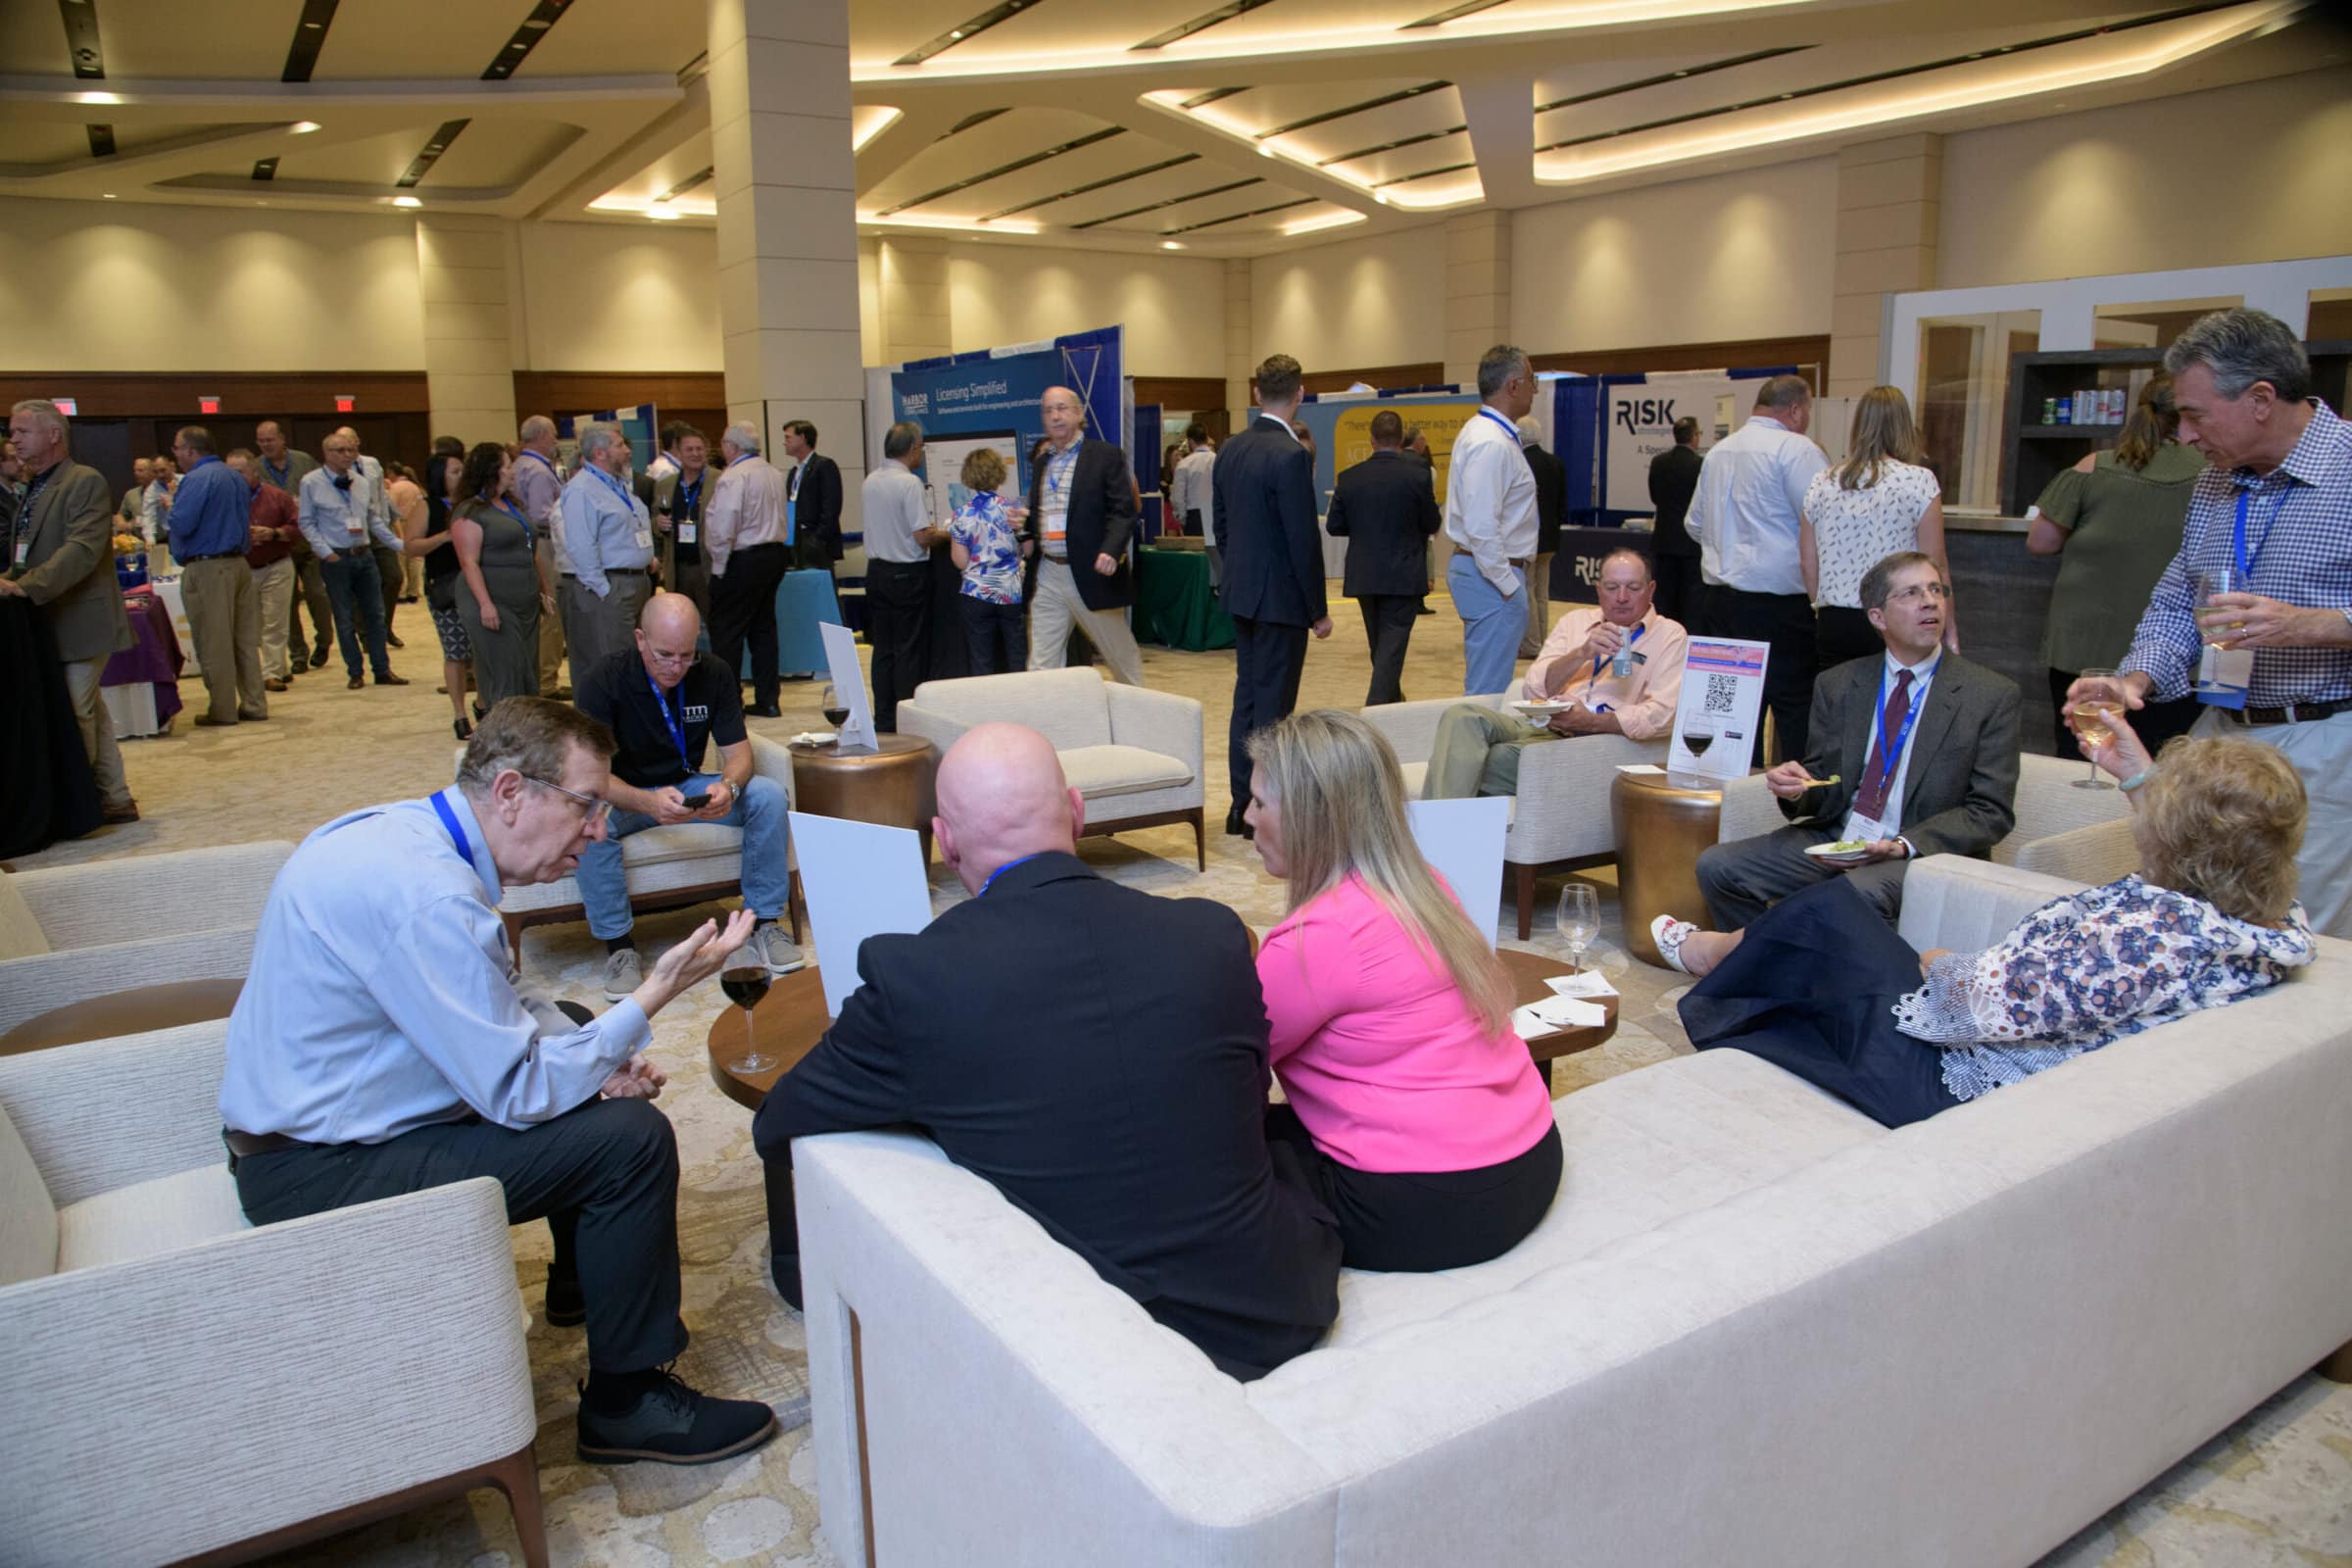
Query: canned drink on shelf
[2066, 411]
[2049, 411]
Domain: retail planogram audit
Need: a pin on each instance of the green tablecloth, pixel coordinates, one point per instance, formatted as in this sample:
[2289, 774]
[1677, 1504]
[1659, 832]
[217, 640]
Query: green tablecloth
[1174, 604]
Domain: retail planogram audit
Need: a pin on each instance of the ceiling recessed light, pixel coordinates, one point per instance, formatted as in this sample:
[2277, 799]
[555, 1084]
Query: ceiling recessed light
[1171, 244]
[109, 195]
[662, 215]
[406, 201]
[1264, 151]
[303, 128]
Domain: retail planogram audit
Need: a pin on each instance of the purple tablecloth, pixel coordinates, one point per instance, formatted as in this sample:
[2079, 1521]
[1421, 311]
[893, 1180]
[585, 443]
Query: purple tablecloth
[153, 655]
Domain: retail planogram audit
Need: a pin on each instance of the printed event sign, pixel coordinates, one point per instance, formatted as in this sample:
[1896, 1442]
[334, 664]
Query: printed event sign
[1722, 704]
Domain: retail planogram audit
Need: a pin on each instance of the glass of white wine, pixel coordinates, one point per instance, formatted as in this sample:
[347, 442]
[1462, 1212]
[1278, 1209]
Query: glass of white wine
[2091, 713]
[2209, 582]
[1579, 920]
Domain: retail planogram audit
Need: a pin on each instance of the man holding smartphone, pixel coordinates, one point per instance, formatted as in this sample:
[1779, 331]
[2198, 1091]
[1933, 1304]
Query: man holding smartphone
[665, 704]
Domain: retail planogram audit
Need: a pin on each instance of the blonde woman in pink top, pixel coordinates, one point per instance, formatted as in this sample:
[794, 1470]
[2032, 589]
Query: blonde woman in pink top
[1414, 1111]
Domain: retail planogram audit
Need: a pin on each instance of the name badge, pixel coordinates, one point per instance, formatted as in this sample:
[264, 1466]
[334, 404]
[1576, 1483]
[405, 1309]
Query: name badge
[2222, 676]
[688, 533]
[23, 549]
[645, 536]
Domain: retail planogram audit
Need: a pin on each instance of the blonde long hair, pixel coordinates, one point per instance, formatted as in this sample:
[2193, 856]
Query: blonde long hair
[1341, 795]
[1883, 432]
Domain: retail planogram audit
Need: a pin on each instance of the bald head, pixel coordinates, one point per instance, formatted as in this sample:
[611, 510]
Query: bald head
[666, 629]
[1003, 797]
[1063, 414]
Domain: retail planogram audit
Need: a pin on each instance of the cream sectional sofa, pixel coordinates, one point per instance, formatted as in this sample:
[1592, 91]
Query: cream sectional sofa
[1755, 1327]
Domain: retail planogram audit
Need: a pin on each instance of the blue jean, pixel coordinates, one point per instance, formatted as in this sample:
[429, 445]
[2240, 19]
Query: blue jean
[759, 811]
[1492, 626]
[354, 587]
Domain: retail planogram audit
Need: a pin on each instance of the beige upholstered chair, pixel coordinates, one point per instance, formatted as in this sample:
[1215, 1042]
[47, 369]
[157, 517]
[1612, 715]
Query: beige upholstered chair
[78, 932]
[1135, 754]
[1560, 817]
[668, 867]
[184, 1386]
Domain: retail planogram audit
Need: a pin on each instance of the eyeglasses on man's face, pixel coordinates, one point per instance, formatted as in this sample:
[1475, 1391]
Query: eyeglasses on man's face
[1920, 592]
[598, 811]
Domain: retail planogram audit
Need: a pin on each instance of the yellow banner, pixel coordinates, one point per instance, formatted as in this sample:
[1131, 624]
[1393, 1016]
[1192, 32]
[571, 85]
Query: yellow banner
[1439, 421]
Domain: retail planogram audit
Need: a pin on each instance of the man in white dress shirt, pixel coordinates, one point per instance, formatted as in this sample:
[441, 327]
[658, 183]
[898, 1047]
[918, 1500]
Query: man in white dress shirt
[1744, 515]
[748, 541]
[382, 1047]
[1490, 518]
[898, 571]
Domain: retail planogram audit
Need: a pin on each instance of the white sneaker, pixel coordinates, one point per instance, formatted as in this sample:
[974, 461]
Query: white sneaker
[1668, 934]
[771, 946]
[625, 972]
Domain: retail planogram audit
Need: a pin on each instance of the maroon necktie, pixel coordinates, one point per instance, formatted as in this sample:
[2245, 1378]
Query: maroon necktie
[1871, 802]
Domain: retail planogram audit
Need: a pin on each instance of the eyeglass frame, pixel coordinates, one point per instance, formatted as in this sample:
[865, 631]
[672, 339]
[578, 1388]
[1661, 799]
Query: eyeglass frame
[1921, 591]
[599, 810]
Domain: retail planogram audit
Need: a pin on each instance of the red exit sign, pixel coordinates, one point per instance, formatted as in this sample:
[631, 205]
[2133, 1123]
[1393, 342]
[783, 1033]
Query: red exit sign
[205, 405]
[345, 403]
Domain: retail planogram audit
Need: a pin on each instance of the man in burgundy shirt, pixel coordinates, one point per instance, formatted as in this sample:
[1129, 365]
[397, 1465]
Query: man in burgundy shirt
[274, 526]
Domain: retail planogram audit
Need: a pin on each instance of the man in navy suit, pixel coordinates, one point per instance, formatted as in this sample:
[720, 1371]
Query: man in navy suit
[1265, 520]
[1141, 1147]
[1387, 511]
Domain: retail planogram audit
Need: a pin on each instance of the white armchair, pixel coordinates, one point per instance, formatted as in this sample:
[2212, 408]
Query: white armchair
[75, 933]
[1560, 817]
[1135, 754]
[668, 867]
[188, 1384]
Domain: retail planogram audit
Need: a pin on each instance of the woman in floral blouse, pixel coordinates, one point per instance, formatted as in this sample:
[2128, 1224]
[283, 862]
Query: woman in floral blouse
[1901, 1035]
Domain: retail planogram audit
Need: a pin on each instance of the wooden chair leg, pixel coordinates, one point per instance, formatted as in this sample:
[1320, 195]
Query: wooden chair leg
[518, 1475]
[2338, 1368]
[1200, 836]
[1524, 876]
[793, 908]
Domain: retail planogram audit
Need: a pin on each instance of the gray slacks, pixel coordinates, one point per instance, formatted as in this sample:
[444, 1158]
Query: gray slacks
[594, 627]
[1744, 878]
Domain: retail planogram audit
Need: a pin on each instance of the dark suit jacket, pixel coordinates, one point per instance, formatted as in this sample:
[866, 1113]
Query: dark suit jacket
[1673, 480]
[70, 570]
[1552, 496]
[1266, 503]
[1960, 795]
[665, 497]
[1387, 511]
[1101, 522]
[817, 510]
[1121, 1105]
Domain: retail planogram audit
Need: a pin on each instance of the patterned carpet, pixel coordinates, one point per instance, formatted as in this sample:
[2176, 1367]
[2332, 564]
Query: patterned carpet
[2273, 1489]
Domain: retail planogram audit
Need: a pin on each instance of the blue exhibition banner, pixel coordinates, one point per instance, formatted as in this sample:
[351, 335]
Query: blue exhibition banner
[996, 391]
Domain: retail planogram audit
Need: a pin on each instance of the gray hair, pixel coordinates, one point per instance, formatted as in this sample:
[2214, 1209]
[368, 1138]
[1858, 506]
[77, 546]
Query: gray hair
[1497, 366]
[531, 735]
[744, 436]
[1530, 430]
[1783, 392]
[597, 439]
[2243, 346]
[43, 411]
[538, 428]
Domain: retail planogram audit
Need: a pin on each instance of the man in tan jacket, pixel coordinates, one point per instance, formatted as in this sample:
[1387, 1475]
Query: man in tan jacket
[60, 556]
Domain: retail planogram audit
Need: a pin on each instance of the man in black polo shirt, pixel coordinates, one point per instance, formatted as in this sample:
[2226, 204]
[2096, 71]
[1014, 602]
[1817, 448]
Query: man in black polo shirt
[664, 703]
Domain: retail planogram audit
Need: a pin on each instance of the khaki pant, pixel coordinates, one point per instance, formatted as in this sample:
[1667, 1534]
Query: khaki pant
[225, 620]
[1056, 607]
[97, 730]
[2321, 751]
[1477, 752]
[551, 627]
[1538, 608]
[273, 585]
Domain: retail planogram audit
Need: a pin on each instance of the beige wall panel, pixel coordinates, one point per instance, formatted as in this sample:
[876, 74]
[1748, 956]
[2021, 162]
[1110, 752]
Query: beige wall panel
[622, 297]
[1865, 229]
[451, 321]
[1380, 300]
[1171, 305]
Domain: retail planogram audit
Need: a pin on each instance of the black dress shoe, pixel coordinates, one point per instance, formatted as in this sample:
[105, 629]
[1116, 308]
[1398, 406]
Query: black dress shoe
[1237, 826]
[771, 710]
[670, 1423]
[566, 1307]
[394, 640]
[319, 655]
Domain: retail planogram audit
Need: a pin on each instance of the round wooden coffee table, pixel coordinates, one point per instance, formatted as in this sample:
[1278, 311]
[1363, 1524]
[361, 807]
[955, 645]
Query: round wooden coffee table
[1662, 826]
[788, 1023]
[1528, 972]
[890, 785]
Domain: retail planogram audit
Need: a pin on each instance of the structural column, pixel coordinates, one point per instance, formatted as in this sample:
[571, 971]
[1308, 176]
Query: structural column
[1478, 290]
[1240, 365]
[1889, 203]
[917, 322]
[468, 354]
[786, 183]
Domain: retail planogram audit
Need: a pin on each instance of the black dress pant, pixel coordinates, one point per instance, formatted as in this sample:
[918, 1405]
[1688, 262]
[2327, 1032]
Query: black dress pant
[1268, 660]
[606, 1173]
[996, 636]
[1679, 589]
[898, 625]
[2154, 724]
[1841, 634]
[743, 609]
[1412, 1222]
[1786, 622]
[1388, 627]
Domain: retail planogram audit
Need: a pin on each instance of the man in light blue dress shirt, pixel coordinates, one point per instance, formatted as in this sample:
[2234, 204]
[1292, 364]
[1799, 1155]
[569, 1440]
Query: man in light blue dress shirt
[341, 517]
[608, 536]
[381, 1046]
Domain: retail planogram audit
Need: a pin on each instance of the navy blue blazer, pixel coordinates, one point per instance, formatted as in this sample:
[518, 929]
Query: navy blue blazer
[1265, 493]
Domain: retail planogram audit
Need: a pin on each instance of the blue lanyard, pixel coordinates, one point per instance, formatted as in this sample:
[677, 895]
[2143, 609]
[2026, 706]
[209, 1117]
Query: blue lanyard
[683, 498]
[533, 452]
[2245, 563]
[617, 487]
[449, 820]
[676, 726]
[1505, 423]
[1001, 869]
[514, 511]
[1606, 657]
[277, 471]
[1892, 750]
[1059, 467]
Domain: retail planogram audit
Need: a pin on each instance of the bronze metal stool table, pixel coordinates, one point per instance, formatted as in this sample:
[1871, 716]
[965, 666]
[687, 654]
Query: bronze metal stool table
[890, 785]
[1662, 824]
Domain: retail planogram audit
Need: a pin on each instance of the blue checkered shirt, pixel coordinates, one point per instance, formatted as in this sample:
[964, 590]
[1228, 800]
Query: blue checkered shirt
[2299, 537]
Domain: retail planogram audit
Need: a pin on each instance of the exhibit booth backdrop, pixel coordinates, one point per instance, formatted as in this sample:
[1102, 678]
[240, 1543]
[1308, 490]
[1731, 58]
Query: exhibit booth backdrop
[993, 395]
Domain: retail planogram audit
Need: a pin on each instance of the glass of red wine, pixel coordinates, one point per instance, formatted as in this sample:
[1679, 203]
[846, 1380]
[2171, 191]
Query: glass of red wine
[745, 985]
[836, 714]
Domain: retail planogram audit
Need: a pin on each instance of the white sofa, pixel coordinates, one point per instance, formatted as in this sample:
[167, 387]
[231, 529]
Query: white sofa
[1135, 754]
[1560, 817]
[178, 1382]
[74, 933]
[1755, 1327]
[666, 867]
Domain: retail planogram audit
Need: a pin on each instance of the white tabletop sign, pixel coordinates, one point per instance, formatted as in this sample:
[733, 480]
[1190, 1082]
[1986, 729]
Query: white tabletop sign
[857, 733]
[860, 880]
[1462, 840]
[1715, 724]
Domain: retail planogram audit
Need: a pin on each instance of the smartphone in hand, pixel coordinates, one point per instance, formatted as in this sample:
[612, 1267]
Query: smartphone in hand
[695, 802]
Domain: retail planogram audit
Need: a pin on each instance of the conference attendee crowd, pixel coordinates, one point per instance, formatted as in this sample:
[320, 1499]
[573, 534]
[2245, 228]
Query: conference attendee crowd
[1113, 1080]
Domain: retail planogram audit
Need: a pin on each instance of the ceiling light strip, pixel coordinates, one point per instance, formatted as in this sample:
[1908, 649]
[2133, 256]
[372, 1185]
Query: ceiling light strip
[1261, 211]
[82, 46]
[1201, 100]
[517, 49]
[102, 140]
[309, 36]
[1173, 201]
[1200, 24]
[1397, 145]
[1095, 185]
[968, 121]
[964, 31]
[693, 181]
[1670, 77]
[1468, 8]
[430, 154]
[1894, 74]
[1369, 104]
[1002, 169]
[1427, 174]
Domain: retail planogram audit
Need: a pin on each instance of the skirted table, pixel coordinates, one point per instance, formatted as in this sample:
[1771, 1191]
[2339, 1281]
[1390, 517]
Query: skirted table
[141, 684]
[1662, 826]
[1174, 604]
[805, 601]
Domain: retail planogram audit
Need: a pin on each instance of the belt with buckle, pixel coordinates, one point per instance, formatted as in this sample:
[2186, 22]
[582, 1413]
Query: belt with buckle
[246, 1145]
[2292, 713]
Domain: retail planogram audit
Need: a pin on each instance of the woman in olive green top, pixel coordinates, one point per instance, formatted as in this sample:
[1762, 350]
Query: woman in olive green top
[503, 593]
[2116, 515]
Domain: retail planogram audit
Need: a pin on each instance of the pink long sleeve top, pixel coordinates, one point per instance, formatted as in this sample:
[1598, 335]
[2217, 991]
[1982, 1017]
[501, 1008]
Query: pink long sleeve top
[1380, 1054]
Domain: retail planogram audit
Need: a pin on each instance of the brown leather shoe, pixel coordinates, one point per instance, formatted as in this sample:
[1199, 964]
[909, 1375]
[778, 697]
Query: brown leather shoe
[391, 680]
[354, 684]
[129, 811]
[208, 721]
[276, 685]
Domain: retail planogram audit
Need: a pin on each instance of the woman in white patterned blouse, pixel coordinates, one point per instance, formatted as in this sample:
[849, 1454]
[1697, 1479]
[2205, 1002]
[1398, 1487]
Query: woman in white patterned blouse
[1902, 1035]
[1878, 502]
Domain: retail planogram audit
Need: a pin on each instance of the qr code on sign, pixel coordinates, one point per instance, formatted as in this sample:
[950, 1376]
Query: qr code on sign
[1723, 694]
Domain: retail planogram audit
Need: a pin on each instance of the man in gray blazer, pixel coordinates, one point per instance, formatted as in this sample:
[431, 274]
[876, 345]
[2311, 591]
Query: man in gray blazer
[1948, 727]
[60, 556]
